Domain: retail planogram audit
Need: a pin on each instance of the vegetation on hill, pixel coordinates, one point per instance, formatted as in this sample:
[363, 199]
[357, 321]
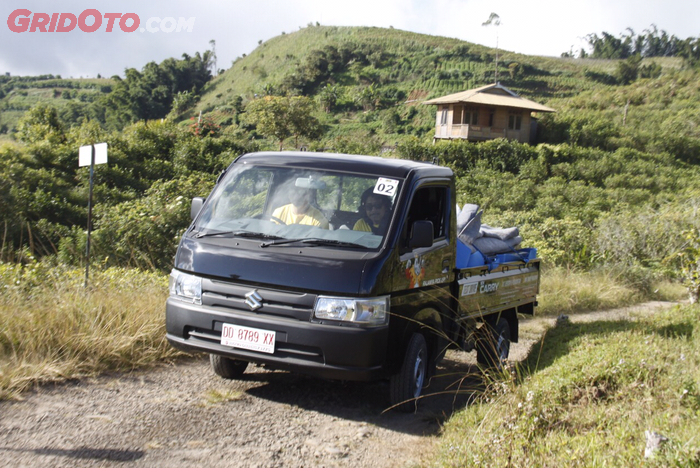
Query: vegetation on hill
[116, 102]
[651, 43]
[614, 181]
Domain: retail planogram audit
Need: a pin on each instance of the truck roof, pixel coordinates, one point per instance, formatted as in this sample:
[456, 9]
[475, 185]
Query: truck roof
[346, 163]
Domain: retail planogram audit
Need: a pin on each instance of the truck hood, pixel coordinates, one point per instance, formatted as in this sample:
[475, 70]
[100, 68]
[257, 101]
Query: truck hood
[286, 267]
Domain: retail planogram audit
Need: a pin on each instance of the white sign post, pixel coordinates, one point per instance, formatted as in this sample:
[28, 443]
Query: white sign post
[90, 155]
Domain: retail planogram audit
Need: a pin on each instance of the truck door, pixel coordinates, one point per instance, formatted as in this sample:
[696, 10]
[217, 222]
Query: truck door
[426, 267]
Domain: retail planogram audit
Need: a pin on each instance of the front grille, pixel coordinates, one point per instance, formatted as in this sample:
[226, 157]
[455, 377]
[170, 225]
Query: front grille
[298, 306]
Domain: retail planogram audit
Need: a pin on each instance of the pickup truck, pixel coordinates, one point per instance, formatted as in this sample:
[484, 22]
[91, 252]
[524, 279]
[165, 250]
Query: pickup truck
[326, 299]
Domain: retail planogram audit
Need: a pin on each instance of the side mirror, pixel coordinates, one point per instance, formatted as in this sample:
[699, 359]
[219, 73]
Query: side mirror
[421, 235]
[197, 203]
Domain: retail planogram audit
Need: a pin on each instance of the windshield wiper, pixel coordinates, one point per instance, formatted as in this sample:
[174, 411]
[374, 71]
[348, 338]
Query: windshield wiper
[239, 233]
[313, 241]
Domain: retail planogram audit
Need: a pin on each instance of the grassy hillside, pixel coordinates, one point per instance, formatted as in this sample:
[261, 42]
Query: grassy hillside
[614, 182]
[18, 94]
[404, 68]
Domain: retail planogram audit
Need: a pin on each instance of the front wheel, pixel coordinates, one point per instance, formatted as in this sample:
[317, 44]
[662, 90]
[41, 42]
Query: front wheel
[227, 368]
[407, 385]
[493, 343]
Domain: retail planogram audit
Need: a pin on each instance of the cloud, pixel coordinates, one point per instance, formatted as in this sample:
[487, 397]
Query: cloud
[545, 27]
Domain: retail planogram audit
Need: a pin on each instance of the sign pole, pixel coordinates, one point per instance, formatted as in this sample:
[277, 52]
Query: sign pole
[89, 155]
[89, 222]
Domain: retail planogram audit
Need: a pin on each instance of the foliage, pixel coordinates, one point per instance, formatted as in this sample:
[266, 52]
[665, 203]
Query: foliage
[585, 396]
[150, 93]
[652, 43]
[581, 207]
[281, 117]
[690, 263]
[608, 186]
[627, 70]
[204, 127]
[40, 123]
[328, 97]
[182, 101]
[43, 204]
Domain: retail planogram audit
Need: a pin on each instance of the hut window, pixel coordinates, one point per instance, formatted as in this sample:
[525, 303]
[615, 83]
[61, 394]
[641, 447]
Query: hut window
[471, 116]
[443, 116]
[515, 121]
[457, 114]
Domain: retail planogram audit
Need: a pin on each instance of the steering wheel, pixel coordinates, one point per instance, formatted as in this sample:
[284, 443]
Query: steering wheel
[277, 220]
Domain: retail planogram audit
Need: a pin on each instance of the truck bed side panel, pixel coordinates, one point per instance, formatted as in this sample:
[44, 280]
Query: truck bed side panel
[481, 292]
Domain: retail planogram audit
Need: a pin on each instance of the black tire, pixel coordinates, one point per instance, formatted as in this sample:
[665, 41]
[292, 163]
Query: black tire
[226, 367]
[493, 344]
[407, 385]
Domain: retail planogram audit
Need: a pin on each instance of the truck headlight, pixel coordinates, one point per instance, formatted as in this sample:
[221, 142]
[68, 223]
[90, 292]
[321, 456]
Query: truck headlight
[185, 287]
[370, 312]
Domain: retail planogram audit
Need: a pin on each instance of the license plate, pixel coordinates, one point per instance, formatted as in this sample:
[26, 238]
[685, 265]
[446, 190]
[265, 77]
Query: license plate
[253, 339]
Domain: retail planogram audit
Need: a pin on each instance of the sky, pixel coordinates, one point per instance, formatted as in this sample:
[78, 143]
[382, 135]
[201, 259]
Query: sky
[547, 27]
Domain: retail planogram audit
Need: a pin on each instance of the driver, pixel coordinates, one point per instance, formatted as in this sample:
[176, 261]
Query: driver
[300, 210]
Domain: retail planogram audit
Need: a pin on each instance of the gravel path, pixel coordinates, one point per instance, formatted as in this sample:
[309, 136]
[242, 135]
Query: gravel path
[183, 415]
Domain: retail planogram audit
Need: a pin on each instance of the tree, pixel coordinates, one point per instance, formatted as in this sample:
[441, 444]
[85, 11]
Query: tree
[627, 70]
[302, 122]
[212, 56]
[328, 97]
[367, 97]
[39, 123]
[280, 117]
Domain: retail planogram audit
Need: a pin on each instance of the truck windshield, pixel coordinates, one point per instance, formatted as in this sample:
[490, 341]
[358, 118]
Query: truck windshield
[352, 211]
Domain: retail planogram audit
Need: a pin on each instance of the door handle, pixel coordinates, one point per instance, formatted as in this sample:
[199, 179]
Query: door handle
[446, 265]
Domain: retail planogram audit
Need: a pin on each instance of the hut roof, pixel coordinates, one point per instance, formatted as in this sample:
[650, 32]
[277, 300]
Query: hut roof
[491, 95]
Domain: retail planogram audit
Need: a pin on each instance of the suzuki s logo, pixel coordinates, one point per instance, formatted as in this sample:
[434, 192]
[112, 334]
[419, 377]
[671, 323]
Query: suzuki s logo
[253, 300]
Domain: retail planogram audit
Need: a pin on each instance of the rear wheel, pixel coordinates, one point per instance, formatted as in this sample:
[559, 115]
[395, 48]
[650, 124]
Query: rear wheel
[493, 343]
[407, 385]
[226, 367]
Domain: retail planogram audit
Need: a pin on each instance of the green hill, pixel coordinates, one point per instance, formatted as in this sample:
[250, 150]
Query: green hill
[18, 94]
[613, 182]
[402, 69]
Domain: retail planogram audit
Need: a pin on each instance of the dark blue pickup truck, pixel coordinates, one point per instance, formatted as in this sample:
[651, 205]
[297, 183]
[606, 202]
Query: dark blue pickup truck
[316, 287]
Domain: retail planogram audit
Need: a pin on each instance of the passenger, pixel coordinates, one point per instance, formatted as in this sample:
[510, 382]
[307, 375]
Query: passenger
[300, 211]
[375, 210]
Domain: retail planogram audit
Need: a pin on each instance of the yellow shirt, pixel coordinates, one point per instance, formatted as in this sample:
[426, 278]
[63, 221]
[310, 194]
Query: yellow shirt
[312, 217]
[362, 225]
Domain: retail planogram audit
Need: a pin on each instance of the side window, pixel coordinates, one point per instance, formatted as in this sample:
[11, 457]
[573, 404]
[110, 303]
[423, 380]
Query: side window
[430, 204]
[443, 115]
[514, 121]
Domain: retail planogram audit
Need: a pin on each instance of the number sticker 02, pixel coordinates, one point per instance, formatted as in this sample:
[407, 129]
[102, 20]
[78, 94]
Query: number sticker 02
[386, 187]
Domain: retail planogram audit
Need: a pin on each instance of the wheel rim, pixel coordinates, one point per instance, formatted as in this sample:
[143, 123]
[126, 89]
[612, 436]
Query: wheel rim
[419, 373]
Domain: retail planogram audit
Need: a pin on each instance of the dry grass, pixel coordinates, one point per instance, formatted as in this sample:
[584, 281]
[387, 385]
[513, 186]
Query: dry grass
[565, 291]
[53, 329]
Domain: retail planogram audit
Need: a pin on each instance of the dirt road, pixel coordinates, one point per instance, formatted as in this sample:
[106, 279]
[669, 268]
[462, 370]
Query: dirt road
[183, 415]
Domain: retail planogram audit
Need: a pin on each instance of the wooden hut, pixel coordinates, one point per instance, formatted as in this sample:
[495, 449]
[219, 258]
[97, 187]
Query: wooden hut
[486, 113]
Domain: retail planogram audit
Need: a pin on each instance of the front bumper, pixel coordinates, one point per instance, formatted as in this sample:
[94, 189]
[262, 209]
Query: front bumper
[321, 350]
